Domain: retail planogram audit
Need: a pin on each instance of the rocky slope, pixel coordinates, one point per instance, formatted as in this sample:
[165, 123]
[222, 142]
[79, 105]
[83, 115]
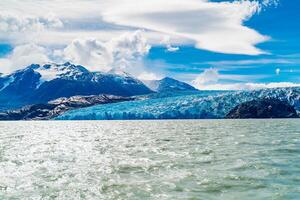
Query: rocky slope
[263, 108]
[59, 106]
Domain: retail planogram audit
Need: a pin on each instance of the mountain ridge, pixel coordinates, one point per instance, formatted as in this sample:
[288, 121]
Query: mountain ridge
[41, 83]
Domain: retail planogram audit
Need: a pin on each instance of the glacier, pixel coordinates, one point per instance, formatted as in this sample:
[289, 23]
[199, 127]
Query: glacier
[190, 106]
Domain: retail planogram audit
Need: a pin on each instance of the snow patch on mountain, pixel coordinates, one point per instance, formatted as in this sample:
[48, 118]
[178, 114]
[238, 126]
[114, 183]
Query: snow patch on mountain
[52, 71]
[10, 80]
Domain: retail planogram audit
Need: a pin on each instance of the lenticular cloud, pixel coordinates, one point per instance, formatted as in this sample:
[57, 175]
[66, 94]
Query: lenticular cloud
[214, 26]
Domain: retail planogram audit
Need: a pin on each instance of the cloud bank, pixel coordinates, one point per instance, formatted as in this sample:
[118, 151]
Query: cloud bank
[23, 56]
[247, 86]
[210, 80]
[209, 25]
[119, 53]
[12, 23]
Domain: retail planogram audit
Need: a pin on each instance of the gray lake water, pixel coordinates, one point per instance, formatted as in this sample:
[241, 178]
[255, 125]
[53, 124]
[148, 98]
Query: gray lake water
[204, 159]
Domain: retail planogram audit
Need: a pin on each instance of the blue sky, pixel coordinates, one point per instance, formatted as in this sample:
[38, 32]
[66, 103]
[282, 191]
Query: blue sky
[5, 49]
[210, 44]
[280, 22]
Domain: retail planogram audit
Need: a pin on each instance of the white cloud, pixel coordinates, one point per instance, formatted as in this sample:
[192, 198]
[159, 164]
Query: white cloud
[214, 26]
[23, 56]
[21, 28]
[129, 48]
[209, 76]
[247, 86]
[249, 62]
[172, 49]
[210, 80]
[12, 23]
[166, 41]
[149, 76]
[87, 52]
[119, 52]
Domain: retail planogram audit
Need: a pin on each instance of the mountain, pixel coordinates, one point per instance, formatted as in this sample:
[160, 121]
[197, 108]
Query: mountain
[59, 106]
[42, 83]
[169, 85]
[263, 108]
[194, 106]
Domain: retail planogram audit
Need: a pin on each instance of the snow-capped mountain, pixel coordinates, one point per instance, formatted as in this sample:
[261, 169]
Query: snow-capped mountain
[42, 83]
[169, 84]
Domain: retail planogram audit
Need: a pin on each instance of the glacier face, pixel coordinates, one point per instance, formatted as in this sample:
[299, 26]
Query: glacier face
[192, 106]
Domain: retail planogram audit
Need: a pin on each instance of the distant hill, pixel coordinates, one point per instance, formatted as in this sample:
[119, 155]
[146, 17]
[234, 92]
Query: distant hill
[169, 85]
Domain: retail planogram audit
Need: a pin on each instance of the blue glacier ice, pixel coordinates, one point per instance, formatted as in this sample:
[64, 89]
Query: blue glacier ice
[190, 106]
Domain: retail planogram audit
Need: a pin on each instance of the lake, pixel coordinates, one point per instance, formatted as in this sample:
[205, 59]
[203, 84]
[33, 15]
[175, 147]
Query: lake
[188, 159]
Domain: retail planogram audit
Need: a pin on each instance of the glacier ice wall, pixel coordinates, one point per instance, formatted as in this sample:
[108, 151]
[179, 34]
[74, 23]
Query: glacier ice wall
[193, 106]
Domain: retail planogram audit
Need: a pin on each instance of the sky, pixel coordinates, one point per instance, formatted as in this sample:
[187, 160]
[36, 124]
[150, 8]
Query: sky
[211, 44]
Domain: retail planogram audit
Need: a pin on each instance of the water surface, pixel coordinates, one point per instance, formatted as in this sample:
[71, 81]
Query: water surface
[204, 159]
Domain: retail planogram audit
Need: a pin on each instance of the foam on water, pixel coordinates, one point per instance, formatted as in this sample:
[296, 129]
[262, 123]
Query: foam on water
[213, 159]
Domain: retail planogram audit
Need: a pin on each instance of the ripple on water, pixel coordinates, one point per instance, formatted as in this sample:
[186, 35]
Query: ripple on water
[209, 159]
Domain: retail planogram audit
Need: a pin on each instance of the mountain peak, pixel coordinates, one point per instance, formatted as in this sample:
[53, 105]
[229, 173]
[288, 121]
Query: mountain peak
[169, 79]
[169, 84]
[52, 71]
[67, 64]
